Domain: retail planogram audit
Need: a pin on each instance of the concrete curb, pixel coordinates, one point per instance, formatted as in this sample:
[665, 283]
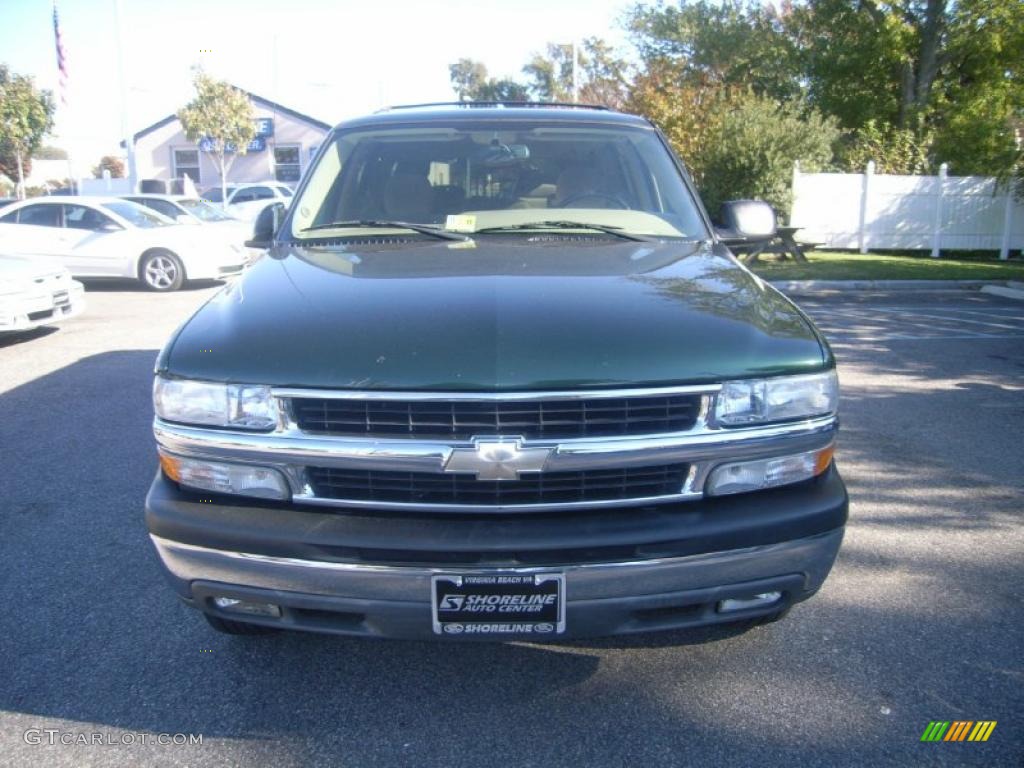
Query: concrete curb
[1005, 291]
[797, 286]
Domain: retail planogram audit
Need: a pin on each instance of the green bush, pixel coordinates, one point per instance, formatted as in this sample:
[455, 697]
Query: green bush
[751, 155]
[894, 150]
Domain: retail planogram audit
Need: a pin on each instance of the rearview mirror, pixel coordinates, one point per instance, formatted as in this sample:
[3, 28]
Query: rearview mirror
[266, 226]
[745, 221]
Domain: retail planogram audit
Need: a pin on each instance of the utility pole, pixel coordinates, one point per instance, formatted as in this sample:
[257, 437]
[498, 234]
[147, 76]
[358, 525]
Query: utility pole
[129, 141]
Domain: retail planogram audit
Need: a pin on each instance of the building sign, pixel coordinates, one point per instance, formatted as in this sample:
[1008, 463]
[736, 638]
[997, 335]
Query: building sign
[258, 144]
[264, 127]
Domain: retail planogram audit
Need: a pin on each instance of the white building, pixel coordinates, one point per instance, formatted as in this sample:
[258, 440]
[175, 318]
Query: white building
[285, 144]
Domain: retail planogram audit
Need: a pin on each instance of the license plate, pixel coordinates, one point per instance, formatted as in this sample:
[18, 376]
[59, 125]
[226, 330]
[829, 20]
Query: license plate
[498, 604]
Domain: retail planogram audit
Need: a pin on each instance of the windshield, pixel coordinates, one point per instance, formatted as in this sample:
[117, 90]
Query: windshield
[135, 214]
[203, 210]
[500, 176]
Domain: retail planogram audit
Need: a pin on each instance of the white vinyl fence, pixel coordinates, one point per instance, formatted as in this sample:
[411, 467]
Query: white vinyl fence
[932, 213]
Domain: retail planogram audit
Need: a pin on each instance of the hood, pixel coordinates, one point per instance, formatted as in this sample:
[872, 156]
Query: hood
[16, 267]
[503, 313]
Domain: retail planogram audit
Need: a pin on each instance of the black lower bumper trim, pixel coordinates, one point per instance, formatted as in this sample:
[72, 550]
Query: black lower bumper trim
[605, 535]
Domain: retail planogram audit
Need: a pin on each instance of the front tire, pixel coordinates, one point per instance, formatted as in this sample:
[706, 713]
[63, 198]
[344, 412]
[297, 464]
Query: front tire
[161, 271]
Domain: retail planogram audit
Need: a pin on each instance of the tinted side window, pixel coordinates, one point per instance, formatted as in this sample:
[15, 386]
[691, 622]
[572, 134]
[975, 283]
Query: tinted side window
[244, 196]
[80, 217]
[40, 215]
[160, 206]
[10, 218]
[262, 193]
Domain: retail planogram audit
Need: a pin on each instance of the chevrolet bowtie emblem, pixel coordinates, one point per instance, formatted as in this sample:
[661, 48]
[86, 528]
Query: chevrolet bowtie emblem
[497, 459]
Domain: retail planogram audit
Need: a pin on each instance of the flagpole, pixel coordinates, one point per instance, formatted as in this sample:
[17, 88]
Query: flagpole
[129, 139]
[62, 85]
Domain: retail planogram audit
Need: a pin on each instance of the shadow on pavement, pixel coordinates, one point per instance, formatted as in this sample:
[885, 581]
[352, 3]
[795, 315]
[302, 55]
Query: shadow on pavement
[125, 285]
[92, 636]
[21, 337]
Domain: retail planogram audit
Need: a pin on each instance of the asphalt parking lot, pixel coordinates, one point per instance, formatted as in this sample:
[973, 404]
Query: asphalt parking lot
[921, 619]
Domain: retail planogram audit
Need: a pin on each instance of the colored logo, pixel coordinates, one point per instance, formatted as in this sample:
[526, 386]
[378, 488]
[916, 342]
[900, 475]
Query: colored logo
[958, 730]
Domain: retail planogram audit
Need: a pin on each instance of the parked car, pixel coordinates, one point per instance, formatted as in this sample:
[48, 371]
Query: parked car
[498, 377]
[245, 201]
[33, 294]
[110, 237]
[190, 210]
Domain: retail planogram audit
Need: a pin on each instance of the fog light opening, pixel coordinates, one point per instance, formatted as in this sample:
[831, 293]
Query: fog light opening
[233, 605]
[745, 603]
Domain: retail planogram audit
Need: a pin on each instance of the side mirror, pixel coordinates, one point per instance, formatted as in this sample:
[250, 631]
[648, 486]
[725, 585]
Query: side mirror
[184, 218]
[745, 221]
[109, 226]
[266, 226]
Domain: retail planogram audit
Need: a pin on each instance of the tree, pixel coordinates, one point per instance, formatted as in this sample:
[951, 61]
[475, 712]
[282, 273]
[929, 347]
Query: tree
[688, 110]
[220, 119]
[742, 43]
[26, 116]
[109, 163]
[979, 105]
[50, 153]
[601, 76]
[893, 150]
[470, 82]
[467, 77]
[950, 72]
[504, 89]
[606, 76]
[752, 151]
[549, 75]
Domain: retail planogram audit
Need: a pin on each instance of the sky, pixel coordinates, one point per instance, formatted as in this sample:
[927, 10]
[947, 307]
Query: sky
[330, 60]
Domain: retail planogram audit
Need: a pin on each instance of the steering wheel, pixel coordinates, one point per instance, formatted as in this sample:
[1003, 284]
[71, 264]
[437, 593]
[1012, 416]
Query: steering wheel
[617, 202]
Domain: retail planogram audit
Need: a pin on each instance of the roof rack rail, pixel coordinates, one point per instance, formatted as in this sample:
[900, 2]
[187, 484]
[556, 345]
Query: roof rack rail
[515, 104]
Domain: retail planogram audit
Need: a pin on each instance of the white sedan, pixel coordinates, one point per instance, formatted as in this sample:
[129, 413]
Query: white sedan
[245, 201]
[110, 237]
[191, 210]
[32, 295]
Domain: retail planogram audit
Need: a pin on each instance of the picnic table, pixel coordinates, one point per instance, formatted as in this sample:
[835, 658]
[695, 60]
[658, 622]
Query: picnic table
[784, 244]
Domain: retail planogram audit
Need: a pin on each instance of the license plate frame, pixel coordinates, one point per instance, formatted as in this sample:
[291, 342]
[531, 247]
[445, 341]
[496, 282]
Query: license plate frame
[507, 604]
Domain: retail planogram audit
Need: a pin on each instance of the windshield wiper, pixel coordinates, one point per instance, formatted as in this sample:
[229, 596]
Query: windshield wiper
[564, 224]
[423, 229]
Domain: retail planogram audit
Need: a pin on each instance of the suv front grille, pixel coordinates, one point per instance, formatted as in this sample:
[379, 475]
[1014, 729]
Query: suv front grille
[531, 419]
[455, 489]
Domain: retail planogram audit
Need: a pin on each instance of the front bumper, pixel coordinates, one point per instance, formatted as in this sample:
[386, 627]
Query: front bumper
[626, 571]
[216, 269]
[27, 311]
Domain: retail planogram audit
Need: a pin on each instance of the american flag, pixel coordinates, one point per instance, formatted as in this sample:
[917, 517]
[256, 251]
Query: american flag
[62, 61]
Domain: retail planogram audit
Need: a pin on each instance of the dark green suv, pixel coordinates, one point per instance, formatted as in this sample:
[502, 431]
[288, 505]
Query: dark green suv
[498, 376]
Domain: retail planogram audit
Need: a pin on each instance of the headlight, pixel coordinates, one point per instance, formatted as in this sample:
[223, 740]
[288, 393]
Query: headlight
[221, 477]
[785, 398]
[743, 476]
[245, 406]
